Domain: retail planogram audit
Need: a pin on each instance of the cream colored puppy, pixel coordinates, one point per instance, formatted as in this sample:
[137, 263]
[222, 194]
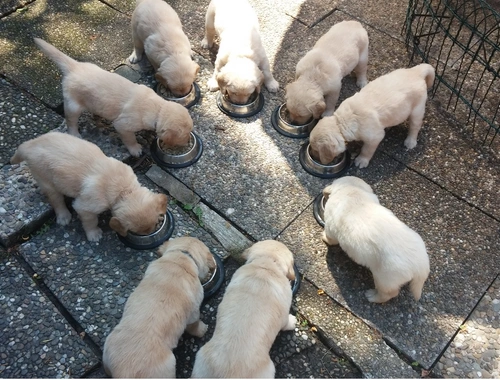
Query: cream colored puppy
[374, 237]
[318, 76]
[241, 65]
[67, 165]
[255, 307]
[387, 101]
[157, 31]
[131, 107]
[164, 305]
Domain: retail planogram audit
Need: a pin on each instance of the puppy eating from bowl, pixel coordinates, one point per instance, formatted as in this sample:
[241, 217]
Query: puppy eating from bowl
[374, 237]
[241, 66]
[132, 107]
[387, 101]
[318, 75]
[65, 165]
[254, 308]
[164, 305]
[157, 31]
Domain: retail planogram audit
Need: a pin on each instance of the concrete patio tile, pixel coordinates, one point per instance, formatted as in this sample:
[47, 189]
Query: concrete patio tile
[93, 280]
[87, 31]
[9, 6]
[461, 242]
[36, 339]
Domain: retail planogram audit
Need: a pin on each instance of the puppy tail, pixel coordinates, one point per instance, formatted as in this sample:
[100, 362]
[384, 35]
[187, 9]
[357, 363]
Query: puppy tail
[428, 73]
[17, 158]
[61, 60]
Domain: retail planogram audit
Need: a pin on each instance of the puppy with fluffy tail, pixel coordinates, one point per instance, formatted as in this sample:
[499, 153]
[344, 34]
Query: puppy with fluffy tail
[318, 76]
[164, 305]
[132, 107]
[385, 102]
[373, 236]
[157, 31]
[65, 165]
[255, 307]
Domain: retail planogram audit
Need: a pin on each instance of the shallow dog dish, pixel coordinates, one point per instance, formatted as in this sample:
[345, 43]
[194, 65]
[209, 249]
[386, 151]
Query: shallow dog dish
[336, 169]
[177, 157]
[319, 209]
[281, 122]
[152, 240]
[295, 284]
[187, 100]
[256, 102]
[216, 278]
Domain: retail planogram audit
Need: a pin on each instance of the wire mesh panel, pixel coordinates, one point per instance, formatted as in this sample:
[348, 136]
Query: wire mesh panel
[461, 39]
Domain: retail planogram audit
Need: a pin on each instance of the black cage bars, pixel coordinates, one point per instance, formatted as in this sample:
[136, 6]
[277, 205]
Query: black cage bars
[461, 39]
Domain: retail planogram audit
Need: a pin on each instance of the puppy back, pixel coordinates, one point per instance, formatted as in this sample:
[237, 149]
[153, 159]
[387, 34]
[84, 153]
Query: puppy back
[64, 62]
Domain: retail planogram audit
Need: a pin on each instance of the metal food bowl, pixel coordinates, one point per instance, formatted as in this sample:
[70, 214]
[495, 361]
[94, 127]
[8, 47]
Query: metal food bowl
[152, 240]
[281, 123]
[295, 284]
[336, 169]
[187, 100]
[215, 281]
[166, 160]
[319, 209]
[255, 104]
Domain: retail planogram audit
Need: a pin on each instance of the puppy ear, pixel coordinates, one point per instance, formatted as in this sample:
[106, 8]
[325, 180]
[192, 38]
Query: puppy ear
[318, 109]
[327, 191]
[160, 79]
[290, 273]
[326, 153]
[162, 249]
[222, 82]
[117, 226]
[196, 69]
[162, 201]
[170, 137]
[246, 254]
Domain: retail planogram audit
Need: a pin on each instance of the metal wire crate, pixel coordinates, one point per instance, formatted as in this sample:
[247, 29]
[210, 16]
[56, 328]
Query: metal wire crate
[461, 39]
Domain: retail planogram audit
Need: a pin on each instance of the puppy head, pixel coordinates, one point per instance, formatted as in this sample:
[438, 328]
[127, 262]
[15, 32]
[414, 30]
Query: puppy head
[304, 102]
[177, 73]
[350, 181]
[326, 141]
[239, 79]
[174, 125]
[196, 248]
[274, 251]
[138, 212]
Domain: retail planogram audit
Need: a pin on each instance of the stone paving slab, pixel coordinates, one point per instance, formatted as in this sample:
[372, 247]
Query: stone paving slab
[479, 335]
[36, 339]
[87, 31]
[461, 242]
[362, 344]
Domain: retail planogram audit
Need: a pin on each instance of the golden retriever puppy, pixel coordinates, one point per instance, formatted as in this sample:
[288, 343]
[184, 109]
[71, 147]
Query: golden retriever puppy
[157, 31]
[131, 107]
[318, 76]
[164, 305]
[387, 101]
[255, 307]
[373, 236]
[67, 165]
[241, 65]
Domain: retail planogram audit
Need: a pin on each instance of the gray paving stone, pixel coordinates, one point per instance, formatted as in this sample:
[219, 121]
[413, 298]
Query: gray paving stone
[461, 242]
[89, 31]
[36, 339]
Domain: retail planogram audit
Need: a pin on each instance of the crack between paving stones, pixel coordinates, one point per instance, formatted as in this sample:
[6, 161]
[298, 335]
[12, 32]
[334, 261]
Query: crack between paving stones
[459, 197]
[114, 8]
[15, 8]
[45, 290]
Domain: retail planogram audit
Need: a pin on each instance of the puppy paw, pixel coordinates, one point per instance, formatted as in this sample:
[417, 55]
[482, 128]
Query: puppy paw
[63, 217]
[197, 329]
[94, 235]
[362, 82]
[328, 240]
[292, 321]
[212, 84]
[410, 142]
[74, 132]
[372, 295]
[134, 58]
[273, 85]
[328, 113]
[361, 162]
[135, 150]
[205, 44]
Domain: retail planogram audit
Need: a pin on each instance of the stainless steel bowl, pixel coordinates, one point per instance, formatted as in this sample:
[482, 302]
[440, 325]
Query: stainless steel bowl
[152, 240]
[166, 160]
[187, 100]
[319, 209]
[255, 104]
[318, 169]
[286, 128]
[215, 281]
